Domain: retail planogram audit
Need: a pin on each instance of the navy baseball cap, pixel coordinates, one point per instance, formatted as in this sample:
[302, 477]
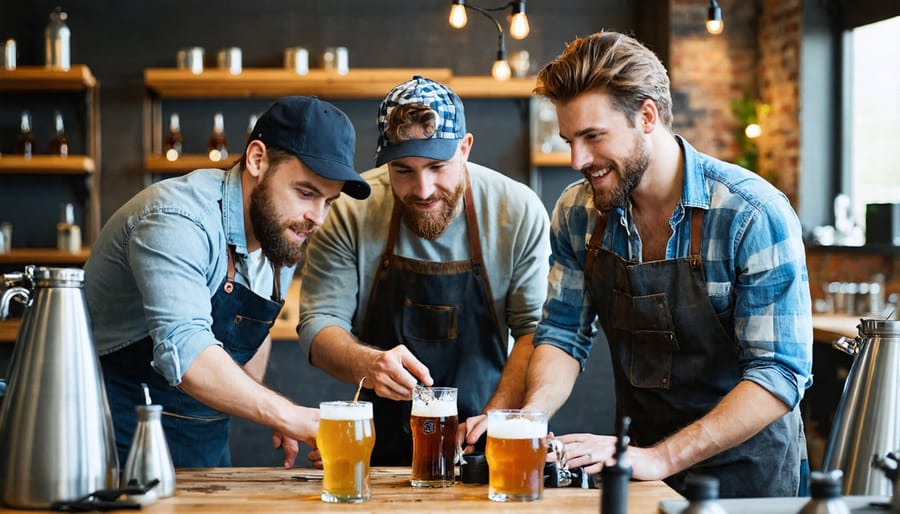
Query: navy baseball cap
[319, 134]
[450, 121]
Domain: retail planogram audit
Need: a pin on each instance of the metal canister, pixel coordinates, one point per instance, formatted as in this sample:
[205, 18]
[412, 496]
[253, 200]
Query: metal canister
[56, 41]
[190, 59]
[229, 59]
[296, 59]
[336, 59]
[9, 54]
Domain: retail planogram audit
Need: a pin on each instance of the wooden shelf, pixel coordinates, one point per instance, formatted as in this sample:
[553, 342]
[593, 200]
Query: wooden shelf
[551, 159]
[185, 163]
[357, 83]
[25, 256]
[47, 164]
[8, 330]
[30, 78]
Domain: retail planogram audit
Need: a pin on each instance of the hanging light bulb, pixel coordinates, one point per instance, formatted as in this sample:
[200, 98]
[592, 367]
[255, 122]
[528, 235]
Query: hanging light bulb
[753, 131]
[458, 17]
[714, 23]
[500, 70]
[518, 24]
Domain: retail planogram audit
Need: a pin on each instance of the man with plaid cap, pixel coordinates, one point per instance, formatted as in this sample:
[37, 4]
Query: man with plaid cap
[185, 281]
[438, 278]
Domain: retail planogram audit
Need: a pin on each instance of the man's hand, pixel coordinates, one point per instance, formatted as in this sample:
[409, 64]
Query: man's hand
[594, 452]
[303, 423]
[290, 447]
[393, 373]
[470, 432]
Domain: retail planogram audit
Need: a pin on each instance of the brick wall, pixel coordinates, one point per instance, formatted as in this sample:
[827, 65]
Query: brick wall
[758, 53]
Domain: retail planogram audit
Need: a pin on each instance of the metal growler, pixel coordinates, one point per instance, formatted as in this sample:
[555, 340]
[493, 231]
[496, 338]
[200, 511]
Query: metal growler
[56, 435]
[867, 421]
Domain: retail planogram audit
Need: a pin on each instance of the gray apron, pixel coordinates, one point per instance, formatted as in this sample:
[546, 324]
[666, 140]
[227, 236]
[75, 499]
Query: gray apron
[674, 358]
[444, 313]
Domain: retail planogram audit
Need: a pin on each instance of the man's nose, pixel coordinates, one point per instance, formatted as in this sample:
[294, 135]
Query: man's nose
[579, 156]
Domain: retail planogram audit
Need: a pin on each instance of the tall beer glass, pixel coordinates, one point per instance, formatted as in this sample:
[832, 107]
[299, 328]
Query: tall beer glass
[434, 421]
[345, 440]
[516, 450]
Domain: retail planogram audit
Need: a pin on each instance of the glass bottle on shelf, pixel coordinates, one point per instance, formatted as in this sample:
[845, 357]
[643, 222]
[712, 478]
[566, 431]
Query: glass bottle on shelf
[56, 41]
[68, 234]
[218, 146]
[174, 139]
[25, 139]
[59, 143]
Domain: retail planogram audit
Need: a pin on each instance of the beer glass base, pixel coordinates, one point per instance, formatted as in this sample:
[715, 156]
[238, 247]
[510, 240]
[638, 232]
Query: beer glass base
[337, 498]
[432, 484]
[504, 497]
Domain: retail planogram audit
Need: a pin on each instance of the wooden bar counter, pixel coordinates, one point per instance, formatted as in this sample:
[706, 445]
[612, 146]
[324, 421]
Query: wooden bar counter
[276, 490]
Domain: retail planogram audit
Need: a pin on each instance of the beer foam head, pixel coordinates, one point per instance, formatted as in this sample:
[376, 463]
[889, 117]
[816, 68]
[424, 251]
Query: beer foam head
[516, 427]
[345, 410]
[434, 408]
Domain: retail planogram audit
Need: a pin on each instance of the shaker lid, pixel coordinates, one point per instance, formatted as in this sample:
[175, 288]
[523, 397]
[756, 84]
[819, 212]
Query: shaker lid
[882, 327]
[59, 277]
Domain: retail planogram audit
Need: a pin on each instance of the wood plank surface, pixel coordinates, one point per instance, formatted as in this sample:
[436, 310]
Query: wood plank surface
[275, 490]
[27, 78]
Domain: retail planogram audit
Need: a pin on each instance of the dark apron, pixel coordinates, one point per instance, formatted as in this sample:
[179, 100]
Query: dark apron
[197, 434]
[444, 313]
[674, 359]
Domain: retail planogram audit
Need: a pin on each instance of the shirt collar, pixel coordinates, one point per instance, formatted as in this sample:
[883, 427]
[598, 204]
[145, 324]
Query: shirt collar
[233, 210]
[695, 192]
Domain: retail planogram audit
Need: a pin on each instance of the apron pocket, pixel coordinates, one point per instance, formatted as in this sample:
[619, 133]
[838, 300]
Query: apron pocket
[244, 336]
[430, 323]
[650, 364]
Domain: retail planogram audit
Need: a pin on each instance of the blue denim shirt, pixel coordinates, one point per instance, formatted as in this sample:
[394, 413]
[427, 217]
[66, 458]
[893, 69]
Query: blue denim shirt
[158, 261]
[753, 258]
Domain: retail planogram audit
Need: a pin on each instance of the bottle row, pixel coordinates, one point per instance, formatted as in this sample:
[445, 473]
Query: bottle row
[173, 143]
[59, 141]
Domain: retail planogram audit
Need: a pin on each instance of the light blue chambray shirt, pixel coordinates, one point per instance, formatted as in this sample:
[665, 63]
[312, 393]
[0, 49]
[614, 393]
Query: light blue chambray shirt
[158, 261]
[753, 259]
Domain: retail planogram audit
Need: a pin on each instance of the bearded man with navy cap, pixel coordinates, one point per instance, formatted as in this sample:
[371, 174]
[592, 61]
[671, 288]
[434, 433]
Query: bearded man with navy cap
[186, 279]
[438, 278]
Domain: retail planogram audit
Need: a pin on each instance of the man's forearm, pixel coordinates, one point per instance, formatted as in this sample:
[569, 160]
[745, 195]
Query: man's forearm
[338, 353]
[256, 366]
[741, 414]
[510, 392]
[549, 380]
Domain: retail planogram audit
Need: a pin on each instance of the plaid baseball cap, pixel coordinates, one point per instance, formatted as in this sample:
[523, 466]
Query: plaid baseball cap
[450, 121]
[319, 134]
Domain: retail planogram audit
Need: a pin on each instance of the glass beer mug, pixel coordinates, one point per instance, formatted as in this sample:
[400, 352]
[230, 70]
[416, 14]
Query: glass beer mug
[345, 439]
[434, 422]
[516, 450]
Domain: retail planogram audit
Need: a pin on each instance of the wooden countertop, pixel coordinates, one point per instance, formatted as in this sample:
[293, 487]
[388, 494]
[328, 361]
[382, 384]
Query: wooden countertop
[276, 490]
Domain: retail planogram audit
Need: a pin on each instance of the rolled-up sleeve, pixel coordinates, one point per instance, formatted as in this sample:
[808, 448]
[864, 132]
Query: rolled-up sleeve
[169, 254]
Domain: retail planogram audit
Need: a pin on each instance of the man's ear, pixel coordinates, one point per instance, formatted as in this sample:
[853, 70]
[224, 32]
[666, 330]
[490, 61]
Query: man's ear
[257, 160]
[648, 115]
[465, 146]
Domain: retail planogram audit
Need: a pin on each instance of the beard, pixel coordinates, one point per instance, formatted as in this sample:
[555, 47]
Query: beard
[631, 174]
[430, 224]
[269, 229]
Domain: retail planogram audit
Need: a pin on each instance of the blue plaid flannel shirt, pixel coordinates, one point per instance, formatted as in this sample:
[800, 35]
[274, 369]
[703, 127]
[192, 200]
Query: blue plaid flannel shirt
[754, 262]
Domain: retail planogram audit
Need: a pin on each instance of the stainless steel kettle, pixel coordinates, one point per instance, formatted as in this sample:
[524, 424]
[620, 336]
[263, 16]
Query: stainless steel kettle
[867, 421]
[56, 434]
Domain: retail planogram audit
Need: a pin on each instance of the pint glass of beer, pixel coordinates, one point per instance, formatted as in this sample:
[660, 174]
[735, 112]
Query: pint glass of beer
[516, 450]
[433, 422]
[345, 439]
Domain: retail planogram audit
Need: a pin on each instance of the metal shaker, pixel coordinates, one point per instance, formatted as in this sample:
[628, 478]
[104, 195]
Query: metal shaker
[56, 434]
[149, 457]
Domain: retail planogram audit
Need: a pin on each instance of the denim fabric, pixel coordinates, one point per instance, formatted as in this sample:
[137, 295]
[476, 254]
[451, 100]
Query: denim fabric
[159, 260]
[753, 258]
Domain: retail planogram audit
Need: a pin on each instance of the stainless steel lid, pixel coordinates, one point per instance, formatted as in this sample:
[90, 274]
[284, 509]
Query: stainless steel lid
[59, 277]
[880, 327]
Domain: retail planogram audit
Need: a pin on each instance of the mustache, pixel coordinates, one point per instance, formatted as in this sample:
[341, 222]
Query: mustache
[306, 227]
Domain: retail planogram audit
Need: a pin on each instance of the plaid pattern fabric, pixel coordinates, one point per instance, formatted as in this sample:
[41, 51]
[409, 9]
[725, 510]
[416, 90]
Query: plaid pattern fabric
[450, 119]
[753, 260]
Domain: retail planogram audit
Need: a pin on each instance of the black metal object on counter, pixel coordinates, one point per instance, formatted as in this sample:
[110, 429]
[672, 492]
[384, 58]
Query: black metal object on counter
[615, 478]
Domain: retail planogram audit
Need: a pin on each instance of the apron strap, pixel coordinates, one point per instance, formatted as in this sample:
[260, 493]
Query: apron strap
[229, 282]
[696, 231]
[392, 236]
[276, 282]
[595, 244]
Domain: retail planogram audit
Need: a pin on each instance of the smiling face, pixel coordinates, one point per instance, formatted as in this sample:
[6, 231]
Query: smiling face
[286, 206]
[610, 152]
[429, 191]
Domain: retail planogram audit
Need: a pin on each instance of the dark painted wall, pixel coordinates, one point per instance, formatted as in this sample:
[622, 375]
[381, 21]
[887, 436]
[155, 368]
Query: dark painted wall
[118, 40]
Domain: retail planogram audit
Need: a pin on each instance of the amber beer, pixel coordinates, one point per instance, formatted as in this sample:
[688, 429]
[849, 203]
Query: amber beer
[345, 439]
[434, 422]
[516, 450]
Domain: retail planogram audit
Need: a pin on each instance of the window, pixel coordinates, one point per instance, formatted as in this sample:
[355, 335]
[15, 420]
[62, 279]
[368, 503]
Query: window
[874, 115]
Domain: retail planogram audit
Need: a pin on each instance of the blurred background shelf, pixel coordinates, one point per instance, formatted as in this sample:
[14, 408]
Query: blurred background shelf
[44, 256]
[47, 164]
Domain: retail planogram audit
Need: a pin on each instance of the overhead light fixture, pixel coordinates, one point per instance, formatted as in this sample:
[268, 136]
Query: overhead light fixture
[518, 28]
[714, 23]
